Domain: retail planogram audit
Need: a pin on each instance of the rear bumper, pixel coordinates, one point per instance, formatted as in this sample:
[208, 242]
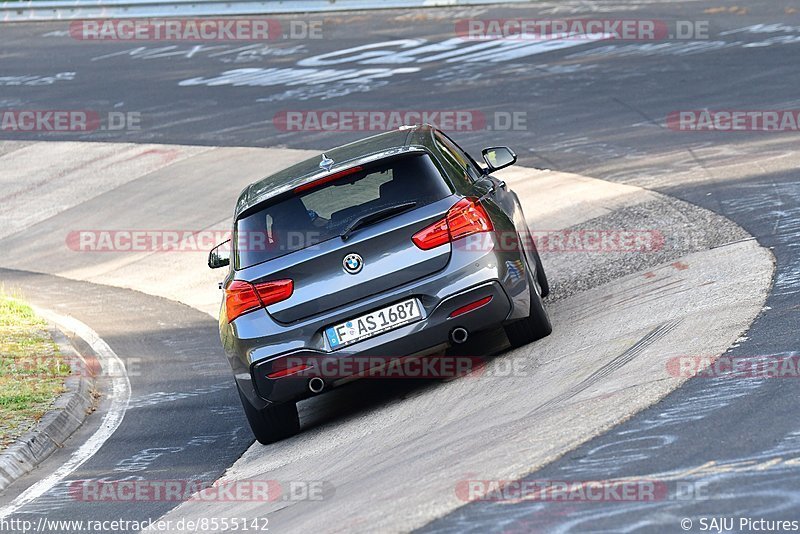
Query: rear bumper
[426, 336]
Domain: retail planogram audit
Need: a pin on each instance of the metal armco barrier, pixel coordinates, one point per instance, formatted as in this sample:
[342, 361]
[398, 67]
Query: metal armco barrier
[33, 10]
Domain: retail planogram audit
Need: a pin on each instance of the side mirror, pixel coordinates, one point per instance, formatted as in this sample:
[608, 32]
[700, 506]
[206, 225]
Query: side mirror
[498, 157]
[220, 256]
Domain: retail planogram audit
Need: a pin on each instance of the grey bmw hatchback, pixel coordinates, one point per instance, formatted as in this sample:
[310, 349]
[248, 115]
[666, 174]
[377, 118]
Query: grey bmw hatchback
[392, 248]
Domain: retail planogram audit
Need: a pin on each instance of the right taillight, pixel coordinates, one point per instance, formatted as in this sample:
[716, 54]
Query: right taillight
[466, 217]
[242, 297]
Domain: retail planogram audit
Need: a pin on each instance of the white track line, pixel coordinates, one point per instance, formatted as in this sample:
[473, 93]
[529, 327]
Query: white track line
[120, 396]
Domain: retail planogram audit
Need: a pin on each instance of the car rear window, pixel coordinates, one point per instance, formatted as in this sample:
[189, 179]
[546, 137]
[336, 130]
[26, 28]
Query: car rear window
[322, 213]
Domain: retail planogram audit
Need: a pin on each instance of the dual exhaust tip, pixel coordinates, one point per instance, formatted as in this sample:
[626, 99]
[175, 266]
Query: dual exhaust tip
[316, 385]
[458, 336]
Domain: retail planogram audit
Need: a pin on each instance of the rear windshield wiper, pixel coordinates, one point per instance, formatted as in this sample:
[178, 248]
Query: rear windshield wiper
[376, 216]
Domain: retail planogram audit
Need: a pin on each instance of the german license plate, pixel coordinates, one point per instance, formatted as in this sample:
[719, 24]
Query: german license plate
[373, 323]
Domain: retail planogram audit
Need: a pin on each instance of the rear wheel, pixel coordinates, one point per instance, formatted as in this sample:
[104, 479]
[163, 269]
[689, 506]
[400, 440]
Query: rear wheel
[536, 325]
[273, 423]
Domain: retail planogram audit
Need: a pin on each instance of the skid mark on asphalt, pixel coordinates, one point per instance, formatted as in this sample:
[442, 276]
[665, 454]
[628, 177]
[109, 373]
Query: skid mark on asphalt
[614, 365]
[655, 288]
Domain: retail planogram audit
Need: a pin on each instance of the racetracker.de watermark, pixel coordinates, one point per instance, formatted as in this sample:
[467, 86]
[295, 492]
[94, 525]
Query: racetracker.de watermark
[742, 120]
[137, 240]
[766, 366]
[580, 29]
[67, 121]
[48, 366]
[580, 491]
[199, 490]
[592, 241]
[391, 367]
[351, 120]
[551, 241]
[194, 30]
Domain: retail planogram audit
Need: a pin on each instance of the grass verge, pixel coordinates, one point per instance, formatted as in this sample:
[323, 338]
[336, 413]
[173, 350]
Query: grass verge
[32, 371]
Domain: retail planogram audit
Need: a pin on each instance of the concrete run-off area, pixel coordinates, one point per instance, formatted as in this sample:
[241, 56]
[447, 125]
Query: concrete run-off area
[606, 359]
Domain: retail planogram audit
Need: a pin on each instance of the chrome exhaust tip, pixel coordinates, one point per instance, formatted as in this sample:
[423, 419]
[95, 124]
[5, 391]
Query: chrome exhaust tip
[316, 385]
[459, 335]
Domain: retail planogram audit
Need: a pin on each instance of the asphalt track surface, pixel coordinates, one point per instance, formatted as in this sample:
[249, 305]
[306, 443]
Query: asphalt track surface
[593, 108]
[188, 402]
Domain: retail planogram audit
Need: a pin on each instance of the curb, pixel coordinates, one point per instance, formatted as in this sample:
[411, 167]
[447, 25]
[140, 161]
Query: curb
[65, 416]
[41, 10]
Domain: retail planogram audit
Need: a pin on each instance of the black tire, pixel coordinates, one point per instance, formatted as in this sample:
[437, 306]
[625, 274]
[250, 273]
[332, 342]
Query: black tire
[273, 423]
[535, 326]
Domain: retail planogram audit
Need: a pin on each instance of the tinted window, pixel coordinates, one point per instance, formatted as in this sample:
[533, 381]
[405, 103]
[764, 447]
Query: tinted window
[325, 212]
[457, 158]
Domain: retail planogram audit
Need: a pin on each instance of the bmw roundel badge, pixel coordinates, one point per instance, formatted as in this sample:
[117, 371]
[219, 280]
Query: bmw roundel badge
[353, 263]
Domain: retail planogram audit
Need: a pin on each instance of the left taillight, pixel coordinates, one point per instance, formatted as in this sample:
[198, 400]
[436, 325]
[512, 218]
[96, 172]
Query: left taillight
[466, 217]
[242, 297]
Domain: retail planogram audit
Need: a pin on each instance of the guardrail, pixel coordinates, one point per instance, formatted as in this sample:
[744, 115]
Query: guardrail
[35, 10]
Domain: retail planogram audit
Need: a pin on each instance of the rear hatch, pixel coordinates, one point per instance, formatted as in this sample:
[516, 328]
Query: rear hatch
[303, 235]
